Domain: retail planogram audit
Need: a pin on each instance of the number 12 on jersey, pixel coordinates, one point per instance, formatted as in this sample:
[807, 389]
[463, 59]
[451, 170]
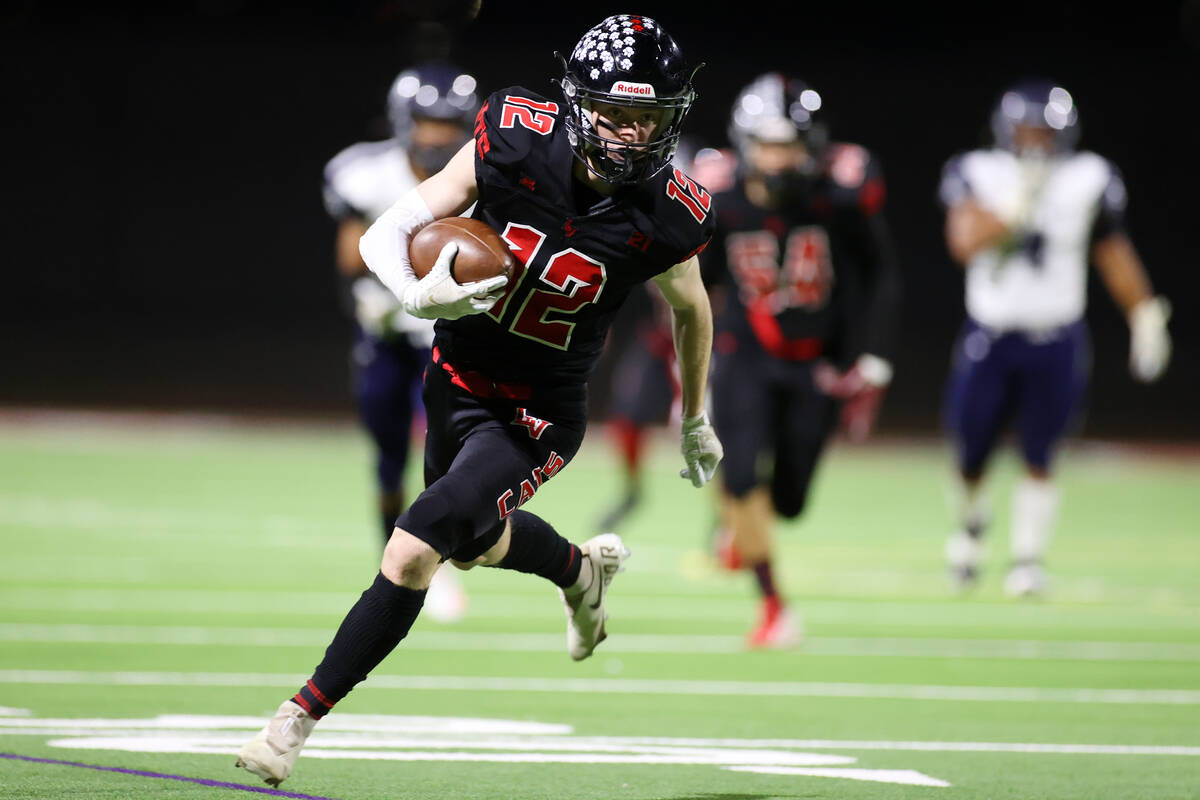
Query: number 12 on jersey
[577, 279]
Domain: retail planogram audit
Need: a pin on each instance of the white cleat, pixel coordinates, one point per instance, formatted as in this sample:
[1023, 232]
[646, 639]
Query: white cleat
[272, 754]
[602, 559]
[1025, 580]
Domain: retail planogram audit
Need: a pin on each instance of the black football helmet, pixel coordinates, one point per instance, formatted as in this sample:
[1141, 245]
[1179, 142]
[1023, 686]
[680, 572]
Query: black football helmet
[1042, 104]
[776, 108]
[626, 60]
[431, 90]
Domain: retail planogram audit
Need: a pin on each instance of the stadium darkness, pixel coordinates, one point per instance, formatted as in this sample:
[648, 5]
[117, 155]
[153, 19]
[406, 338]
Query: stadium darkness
[168, 247]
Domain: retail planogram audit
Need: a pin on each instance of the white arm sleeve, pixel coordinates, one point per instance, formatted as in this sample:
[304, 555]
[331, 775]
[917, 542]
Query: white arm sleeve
[384, 247]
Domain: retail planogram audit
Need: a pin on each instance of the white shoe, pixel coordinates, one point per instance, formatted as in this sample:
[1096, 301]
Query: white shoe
[964, 553]
[602, 558]
[446, 600]
[273, 752]
[1025, 580]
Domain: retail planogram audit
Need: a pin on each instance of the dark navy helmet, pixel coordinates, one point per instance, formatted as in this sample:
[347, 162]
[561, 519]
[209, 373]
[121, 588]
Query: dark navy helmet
[1038, 103]
[434, 90]
[778, 108]
[626, 60]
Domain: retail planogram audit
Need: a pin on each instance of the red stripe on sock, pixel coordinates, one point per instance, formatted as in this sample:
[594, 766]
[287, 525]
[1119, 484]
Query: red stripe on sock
[300, 701]
[312, 687]
[571, 561]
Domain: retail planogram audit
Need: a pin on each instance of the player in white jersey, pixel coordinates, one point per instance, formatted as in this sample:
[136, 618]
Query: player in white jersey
[1026, 218]
[431, 108]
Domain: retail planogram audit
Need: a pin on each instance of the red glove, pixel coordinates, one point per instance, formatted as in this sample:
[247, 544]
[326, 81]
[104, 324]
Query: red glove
[860, 388]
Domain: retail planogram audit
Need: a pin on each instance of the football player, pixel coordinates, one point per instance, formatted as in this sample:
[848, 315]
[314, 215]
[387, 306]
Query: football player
[805, 291]
[431, 108]
[1024, 218]
[582, 188]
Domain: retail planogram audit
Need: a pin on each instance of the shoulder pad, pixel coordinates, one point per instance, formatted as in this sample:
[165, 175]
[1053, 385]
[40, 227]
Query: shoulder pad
[686, 211]
[953, 188]
[350, 179]
[855, 177]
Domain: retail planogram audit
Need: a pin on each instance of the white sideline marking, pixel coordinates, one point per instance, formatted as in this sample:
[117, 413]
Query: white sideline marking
[473, 740]
[5, 711]
[993, 694]
[344, 730]
[909, 777]
[617, 643]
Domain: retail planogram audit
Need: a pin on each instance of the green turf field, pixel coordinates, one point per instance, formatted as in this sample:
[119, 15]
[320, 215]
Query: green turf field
[166, 584]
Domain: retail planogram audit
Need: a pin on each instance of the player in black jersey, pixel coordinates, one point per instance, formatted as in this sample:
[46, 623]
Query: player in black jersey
[805, 290]
[583, 191]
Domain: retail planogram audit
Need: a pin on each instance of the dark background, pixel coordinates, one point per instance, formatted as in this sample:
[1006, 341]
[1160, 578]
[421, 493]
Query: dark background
[166, 246]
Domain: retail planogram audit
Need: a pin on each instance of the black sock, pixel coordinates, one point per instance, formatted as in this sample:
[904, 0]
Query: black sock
[375, 625]
[766, 581]
[535, 547]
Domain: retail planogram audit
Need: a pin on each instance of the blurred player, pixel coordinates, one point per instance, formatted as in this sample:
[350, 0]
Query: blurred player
[431, 108]
[583, 191]
[805, 293]
[1024, 218]
[645, 378]
[645, 395]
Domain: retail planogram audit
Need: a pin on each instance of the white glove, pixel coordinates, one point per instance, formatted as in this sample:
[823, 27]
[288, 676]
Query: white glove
[1149, 341]
[860, 388]
[439, 296]
[701, 449]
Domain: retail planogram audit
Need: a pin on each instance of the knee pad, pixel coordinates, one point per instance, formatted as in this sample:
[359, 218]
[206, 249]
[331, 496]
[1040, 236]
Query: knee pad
[443, 525]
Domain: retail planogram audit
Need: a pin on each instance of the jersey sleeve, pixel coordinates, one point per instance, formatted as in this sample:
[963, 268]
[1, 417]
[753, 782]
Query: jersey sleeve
[338, 186]
[714, 263]
[1110, 212]
[953, 187]
[686, 213]
[510, 123]
[855, 178]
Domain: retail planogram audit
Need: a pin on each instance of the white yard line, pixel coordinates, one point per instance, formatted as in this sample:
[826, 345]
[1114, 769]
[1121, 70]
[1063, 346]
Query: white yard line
[711, 688]
[439, 640]
[491, 603]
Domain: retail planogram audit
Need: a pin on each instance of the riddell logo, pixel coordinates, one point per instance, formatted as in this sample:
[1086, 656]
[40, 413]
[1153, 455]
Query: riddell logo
[635, 89]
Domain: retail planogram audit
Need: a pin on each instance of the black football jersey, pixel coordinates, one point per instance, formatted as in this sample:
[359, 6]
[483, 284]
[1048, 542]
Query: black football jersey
[579, 254]
[815, 278]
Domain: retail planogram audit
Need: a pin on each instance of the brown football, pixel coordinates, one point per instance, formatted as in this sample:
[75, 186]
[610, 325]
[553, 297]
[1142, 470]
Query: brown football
[481, 252]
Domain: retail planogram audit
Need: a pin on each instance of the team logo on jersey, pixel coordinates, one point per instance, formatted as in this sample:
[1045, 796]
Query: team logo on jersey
[535, 426]
[632, 89]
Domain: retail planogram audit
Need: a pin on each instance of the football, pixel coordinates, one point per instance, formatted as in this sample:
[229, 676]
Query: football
[481, 252]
